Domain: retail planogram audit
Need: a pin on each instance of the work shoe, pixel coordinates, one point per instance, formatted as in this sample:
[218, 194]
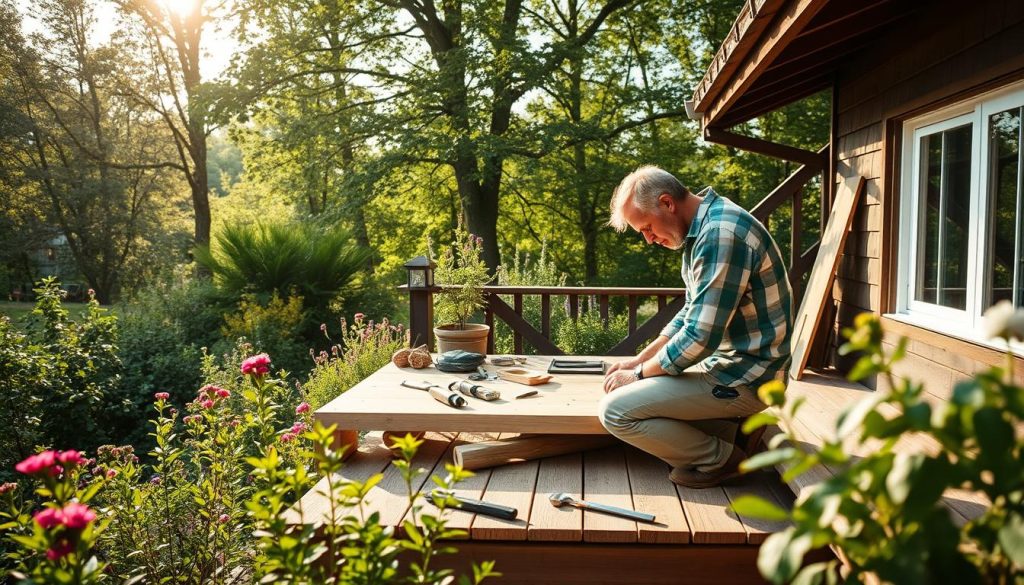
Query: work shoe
[691, 478]
[751, 444]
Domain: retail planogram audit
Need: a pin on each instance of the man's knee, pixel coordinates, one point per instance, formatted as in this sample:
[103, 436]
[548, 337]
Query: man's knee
[612, 413]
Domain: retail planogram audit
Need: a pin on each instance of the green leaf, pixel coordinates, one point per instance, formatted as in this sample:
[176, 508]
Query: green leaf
[1011, 539]
[749, 505]
[759, 420]
[769, 458]
[782, 554]
[995, 434]
[851, 418]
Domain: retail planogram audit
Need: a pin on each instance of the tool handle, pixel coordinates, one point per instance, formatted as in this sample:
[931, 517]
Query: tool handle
[485, 508]
[453, 399]
[631, 514]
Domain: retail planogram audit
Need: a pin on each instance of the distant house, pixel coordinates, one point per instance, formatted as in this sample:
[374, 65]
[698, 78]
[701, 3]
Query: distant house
[928, 101]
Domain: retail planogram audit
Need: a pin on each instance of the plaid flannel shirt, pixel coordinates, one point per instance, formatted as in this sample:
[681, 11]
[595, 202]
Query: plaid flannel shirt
[738, 316]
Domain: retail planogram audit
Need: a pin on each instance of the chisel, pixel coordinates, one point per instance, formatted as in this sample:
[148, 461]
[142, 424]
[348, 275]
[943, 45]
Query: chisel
[478, 506]
[453, 399]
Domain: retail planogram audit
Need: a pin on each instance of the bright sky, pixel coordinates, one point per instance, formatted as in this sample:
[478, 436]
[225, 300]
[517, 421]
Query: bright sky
[217, 45]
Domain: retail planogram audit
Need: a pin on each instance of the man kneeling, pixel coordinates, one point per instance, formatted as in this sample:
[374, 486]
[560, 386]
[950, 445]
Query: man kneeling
[681, 399]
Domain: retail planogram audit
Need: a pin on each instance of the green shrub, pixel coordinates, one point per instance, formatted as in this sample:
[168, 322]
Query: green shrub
[461, 268]
[62, 383]
[210, 511]
[882, 507]
[275, 327]
[364, 348]
[589, 335]
[317, 263]
[523, 272]
[162, 333]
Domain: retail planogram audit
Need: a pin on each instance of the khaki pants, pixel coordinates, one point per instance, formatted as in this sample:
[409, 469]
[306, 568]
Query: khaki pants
[686, 420]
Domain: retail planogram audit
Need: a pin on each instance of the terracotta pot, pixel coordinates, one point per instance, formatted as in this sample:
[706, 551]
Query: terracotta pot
[472, 338]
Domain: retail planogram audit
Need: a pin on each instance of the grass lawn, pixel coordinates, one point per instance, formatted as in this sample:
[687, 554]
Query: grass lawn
[17, 311]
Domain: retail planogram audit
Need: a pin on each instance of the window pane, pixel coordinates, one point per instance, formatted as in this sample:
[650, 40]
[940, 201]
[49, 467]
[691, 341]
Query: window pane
[1003, 182]
[956, 170]
[928, 252]
[944, 228]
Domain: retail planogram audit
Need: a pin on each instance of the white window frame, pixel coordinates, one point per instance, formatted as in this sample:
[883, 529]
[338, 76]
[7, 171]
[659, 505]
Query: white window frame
[965, 324]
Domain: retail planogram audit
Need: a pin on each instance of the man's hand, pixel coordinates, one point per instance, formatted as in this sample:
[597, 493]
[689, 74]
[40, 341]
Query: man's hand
[623, 365]
[617, 378]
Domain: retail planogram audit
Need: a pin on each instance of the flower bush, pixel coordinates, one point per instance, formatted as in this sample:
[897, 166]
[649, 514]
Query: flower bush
[364, 348]
[882, 506]
[589, 334]
[211, 507]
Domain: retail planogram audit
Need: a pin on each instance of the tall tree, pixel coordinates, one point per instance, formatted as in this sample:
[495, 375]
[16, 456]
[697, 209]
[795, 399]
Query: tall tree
[83, 148]
[168, 35]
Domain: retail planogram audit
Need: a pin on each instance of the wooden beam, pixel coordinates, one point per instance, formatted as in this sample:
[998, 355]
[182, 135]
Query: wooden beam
[762, 103]
[786, 27]
[785, 190]
[761, 146]
[522, 326]
[753, 18]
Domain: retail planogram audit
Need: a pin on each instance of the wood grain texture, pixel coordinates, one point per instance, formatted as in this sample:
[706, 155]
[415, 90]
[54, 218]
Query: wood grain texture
[652, 493]
[565, 405]
[606, 481]
[711, 521]
[479, 455]
[548, 523]
[510, 485]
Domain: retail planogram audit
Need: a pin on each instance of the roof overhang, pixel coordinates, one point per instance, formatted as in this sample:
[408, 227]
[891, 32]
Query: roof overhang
[779, 51]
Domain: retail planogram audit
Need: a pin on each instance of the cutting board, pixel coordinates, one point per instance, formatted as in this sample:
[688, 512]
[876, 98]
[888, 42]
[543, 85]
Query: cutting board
[524, 376]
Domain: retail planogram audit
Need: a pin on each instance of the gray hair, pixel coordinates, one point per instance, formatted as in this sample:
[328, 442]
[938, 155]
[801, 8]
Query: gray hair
[641, 188]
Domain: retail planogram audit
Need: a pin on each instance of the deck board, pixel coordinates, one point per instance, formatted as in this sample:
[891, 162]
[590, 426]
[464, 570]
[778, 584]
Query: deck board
[548, 523]
[606, 480]
[651, 493]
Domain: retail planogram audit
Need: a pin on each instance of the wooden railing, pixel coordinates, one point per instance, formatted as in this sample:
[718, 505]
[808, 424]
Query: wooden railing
[669, 300]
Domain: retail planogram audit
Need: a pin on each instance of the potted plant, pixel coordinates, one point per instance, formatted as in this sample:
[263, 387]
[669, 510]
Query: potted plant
[462, 274]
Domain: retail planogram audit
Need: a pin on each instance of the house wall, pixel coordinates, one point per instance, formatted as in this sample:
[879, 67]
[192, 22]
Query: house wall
[948, 53]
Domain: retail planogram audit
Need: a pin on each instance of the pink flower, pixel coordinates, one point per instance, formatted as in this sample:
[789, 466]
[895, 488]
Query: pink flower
[223, 518]
[256, 365]
[209, 390]
[162, 395]
[71, 457]
[304, 407]
[287, 437]
[60, 549]
[359, 316]
[78, 516]
[91, 292]
[48, 518]
[111, 473]
[156, 480]
[44, 463]
[7, 487]
[223, 393]
[206, 403]
[298, 427]
[323, 327]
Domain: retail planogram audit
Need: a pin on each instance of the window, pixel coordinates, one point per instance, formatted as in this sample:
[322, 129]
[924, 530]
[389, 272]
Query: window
[962, 212]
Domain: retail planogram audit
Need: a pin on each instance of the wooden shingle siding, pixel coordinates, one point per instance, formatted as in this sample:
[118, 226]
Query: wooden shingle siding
[942, 55]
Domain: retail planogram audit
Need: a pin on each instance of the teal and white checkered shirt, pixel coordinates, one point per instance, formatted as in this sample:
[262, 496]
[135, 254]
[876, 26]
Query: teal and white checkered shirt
[739, 307]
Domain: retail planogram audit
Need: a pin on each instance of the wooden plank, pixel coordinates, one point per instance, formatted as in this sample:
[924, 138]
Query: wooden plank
[469, 488]
[574, 306]
[625, 291]
[787, 188]
[565, 405]
[756, 484]
[602, 302]
[761, 146]
[510, 485]
[711, 521]
[632, 303]
[655, 494]
[790, 21]
[606, 481]
[548, 523]
[823, 272]
[563, 563]
[517, 337]
[315, 506]
[390, 497]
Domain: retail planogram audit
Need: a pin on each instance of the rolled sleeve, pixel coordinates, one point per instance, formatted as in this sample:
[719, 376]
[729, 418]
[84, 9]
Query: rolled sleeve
[721, 263]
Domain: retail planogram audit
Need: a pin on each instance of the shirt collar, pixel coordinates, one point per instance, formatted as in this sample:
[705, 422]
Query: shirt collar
[709, 196]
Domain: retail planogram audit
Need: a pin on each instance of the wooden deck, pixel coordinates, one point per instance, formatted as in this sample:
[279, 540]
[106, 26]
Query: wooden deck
[695, 533]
